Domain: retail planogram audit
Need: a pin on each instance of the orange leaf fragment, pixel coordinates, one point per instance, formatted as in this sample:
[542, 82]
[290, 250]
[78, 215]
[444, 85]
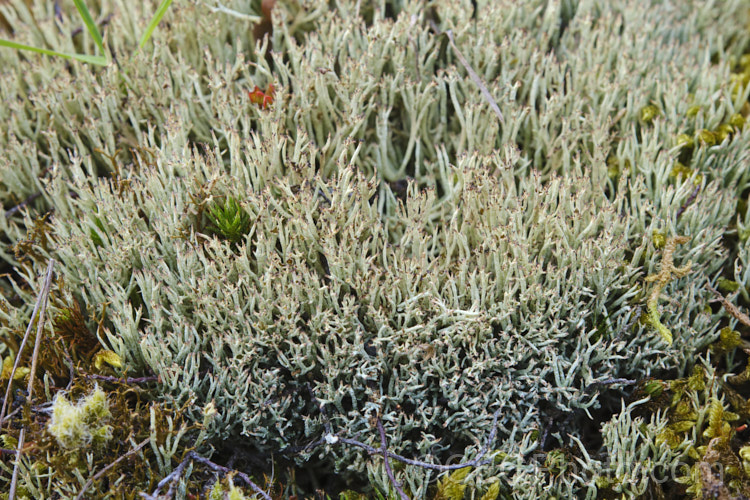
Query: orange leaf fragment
[260, 98]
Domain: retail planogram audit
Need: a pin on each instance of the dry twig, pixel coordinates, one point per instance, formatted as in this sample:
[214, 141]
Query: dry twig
[23, 343]
[730, 308]
[384, 450]
[472, 74]
[687, 203]
[41, 306]
[485, 93]
[475, 462]
[9, 213]
[105, 469]
[332, 439]
[123, 380]
[193, 456]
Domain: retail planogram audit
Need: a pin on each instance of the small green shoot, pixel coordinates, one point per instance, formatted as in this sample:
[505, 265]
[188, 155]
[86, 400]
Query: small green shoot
[101, 60]
[229, 220]
[667, 272]
[90, 24]
[154, 22]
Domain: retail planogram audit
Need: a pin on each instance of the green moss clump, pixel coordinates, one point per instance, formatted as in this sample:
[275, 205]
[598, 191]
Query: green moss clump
[648, 113]
[229, 220]
[81, 425]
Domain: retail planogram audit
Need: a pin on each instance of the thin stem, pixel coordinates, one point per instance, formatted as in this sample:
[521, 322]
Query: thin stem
[388, 471]
[34, 361]
[105, 469]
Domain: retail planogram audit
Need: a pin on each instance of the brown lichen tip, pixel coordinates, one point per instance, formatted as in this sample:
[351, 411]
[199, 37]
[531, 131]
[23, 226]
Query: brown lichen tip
[662, 278]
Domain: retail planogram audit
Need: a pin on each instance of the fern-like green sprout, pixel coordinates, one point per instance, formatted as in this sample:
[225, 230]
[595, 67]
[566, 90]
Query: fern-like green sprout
[718, 421]
[452, 487]
[230, 221]
[492, 492]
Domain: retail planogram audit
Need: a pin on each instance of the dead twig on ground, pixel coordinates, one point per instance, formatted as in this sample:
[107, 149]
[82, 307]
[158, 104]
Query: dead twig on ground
[730, 308]
[9, 213]
[23, 343]
[688, 202]
[332, 439]
[105, 469]
[472, 74]
[384, 452]
[41, 306]
[173, 477]
[123, 380]
[475, 462]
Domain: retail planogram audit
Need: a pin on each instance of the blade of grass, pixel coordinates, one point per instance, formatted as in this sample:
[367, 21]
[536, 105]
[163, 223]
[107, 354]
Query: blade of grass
[100, 60]
[90, 24]
[154, 22]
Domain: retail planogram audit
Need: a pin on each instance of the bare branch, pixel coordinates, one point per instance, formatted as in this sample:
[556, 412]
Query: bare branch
[123, 380]
[609, 381]
[42, 303]
[9, 213]
[384, 452]
[475, 462]
[225, 470]
[193, 456]
[687, 203]
[39, 298]
[105, 469]
[472, 74]
[169, 479]
[485, 93]
[731, 308]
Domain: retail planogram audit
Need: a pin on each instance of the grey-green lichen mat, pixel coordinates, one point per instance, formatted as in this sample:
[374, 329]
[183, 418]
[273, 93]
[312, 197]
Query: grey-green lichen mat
[332, 216]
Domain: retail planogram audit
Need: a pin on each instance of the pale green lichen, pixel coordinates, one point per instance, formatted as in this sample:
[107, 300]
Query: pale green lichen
[382, 237]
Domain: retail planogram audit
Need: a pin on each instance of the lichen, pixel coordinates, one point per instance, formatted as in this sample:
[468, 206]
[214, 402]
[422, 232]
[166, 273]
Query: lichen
[368, 233]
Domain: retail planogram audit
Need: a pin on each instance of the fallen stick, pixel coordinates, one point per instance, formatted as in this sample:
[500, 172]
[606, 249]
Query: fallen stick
[41, 307]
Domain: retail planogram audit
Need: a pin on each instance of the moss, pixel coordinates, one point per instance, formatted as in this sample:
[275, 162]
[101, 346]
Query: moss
[665, 275]
[220, 491]
[648, 113]
[229, 220]
[706, 137]
[452, 486]
[83, 424]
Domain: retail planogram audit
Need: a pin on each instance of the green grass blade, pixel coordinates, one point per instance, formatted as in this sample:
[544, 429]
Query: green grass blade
[154, 22]
[90, 24]
[100, 60]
